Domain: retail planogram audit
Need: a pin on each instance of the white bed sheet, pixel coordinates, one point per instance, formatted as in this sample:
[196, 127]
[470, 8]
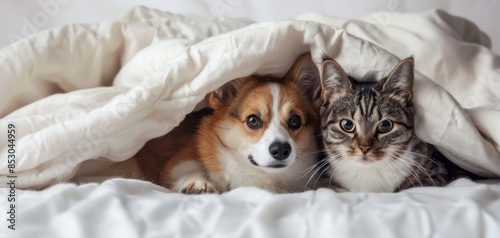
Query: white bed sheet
[133, 209]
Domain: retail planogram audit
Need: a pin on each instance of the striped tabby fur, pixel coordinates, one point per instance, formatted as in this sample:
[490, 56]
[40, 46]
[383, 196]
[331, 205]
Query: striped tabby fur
[368, 133]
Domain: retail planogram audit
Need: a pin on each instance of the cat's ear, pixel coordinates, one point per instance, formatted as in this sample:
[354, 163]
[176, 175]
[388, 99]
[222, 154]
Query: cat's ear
[333, 79]
[226, 93]
[401, 79]
[305, 75]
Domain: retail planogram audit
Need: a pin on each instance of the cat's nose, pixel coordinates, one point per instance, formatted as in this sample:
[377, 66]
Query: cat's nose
[365, 148]
[365, 143]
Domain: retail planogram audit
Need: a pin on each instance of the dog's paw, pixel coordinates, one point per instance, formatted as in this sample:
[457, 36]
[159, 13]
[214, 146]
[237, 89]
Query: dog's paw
[198, 187]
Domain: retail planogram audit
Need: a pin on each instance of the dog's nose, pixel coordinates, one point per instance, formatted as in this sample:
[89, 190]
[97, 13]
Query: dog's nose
[280, 150]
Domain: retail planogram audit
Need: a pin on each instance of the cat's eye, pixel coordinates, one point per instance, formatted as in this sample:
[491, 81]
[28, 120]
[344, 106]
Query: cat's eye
[294, 122]
[254, 122]
[347, 125]
[385, 126]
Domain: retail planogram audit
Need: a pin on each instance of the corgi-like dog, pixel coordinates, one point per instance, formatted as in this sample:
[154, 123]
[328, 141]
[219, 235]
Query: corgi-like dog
[259, 131]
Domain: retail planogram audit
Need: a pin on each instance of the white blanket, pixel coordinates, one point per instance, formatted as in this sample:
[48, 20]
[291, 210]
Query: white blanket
[92, 94]
[133, 209]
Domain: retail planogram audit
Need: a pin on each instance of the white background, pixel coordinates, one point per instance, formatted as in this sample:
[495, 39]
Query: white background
[19, 19]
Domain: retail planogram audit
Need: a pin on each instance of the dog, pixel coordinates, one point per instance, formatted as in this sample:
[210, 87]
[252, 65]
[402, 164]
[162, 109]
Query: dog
[258, 131]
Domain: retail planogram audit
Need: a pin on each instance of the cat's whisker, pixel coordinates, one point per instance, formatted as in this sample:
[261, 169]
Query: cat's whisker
[316, 171]
[408, 167]
[319, 164]
[328, 161]
[312, 152]
[399, 151]
[418, 164]
[320, 134]
[319, 176]
[308, 169]
[338, 165]
[424, 170]
[381, 176]
[388, 162]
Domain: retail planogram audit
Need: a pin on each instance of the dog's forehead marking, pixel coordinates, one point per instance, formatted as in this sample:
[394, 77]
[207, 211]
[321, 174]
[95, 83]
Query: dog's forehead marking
[275, 93]
[275, 130]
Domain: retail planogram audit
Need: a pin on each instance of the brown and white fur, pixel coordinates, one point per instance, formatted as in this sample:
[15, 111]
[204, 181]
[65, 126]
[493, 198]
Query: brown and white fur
[368, 133]
[259, 132]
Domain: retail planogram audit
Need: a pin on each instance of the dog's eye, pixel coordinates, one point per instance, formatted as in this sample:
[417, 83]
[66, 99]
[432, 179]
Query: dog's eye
[294, 122]
[347, 125]
[254, 122]
[385, 126]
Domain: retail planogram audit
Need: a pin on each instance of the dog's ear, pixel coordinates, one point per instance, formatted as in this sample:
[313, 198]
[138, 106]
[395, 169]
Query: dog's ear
[225, 94]
[305, 75]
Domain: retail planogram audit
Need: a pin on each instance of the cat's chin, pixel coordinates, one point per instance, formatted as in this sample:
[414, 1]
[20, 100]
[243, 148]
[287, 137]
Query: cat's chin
[365, 159]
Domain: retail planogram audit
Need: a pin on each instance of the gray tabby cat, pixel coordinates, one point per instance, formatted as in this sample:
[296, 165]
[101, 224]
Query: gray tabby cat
[368, 134]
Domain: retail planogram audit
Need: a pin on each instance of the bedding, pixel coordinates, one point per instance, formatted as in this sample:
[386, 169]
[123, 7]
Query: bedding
[83, 97]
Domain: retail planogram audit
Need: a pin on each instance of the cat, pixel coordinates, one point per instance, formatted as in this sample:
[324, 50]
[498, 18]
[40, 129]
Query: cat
[368, 133]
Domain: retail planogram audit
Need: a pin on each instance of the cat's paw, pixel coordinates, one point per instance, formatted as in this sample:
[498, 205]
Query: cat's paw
[198, 187]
